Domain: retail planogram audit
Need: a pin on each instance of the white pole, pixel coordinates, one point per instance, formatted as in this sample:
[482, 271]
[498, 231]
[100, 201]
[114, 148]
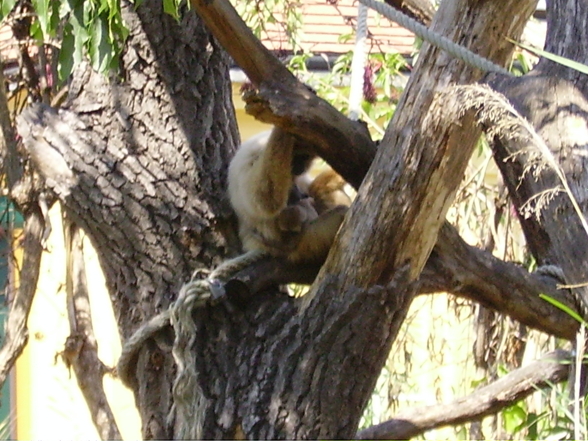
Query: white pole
[358, 64]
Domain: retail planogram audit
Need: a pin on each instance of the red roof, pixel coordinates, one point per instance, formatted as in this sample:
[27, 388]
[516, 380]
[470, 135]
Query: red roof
[324, 22]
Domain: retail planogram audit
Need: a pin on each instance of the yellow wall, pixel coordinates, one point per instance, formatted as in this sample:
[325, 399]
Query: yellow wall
[49, 402]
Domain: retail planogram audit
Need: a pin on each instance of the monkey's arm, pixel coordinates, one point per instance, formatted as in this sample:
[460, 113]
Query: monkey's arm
[318, 236]
[260, 176]
[271, 175]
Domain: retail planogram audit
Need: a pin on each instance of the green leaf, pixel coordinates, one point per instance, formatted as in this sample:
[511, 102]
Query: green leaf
[54, 19]
[532, 422]
[5, 7]
[514, 418]
[558, 59]
[35, 31]
[66, 54]
[100, 50]
[43, 13]
[563, 307]
[171, 7]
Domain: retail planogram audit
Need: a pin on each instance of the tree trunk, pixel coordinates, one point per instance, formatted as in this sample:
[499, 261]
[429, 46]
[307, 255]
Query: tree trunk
[141, 165]
[322, 354]
[554, 99]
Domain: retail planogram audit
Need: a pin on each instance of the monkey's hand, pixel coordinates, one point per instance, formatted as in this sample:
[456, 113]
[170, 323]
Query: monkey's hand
[293, 218]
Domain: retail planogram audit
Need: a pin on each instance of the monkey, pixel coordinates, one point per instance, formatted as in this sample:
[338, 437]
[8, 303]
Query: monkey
[279, 209]
[328, 191]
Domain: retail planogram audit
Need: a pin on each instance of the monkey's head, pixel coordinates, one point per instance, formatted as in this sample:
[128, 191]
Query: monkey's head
[302, 157]
[301, 162]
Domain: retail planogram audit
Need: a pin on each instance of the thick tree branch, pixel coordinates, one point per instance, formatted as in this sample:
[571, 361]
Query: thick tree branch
[399, 209]
[346, 145]
[453, 267]
[466, 271]
[81, 349]
[283, 100]
[148, 148]
[16, 335]
[550, 369]
[306, 114]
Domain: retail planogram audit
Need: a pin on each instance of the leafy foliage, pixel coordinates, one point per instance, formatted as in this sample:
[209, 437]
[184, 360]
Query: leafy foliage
[95, 28]
[382, 85]
[286, 14]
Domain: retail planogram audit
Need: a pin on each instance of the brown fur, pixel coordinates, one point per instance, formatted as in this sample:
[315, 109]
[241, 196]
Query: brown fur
[260, 183]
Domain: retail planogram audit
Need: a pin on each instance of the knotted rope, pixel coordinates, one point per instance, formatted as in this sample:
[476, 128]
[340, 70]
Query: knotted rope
[189, 401]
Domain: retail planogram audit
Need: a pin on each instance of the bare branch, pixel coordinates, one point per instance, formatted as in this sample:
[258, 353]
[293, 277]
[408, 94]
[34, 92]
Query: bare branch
[16, 328]
[81, 349]
[461, 269]
[552, 368]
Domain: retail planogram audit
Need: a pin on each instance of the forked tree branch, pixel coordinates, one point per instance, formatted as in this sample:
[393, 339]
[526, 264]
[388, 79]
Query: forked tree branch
[456, 267]
[550, 369]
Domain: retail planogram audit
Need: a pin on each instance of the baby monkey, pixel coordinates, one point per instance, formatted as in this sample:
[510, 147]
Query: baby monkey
[279, 211]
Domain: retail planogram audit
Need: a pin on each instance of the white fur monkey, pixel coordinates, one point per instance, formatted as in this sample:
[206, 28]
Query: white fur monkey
[267, 191]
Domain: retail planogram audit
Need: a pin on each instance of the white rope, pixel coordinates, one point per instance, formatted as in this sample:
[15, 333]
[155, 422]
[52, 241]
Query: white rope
[358, 64]
[437, 40]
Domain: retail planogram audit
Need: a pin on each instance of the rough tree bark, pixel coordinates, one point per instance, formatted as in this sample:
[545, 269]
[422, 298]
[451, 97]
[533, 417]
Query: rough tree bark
[554, 99]
[140, 162]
